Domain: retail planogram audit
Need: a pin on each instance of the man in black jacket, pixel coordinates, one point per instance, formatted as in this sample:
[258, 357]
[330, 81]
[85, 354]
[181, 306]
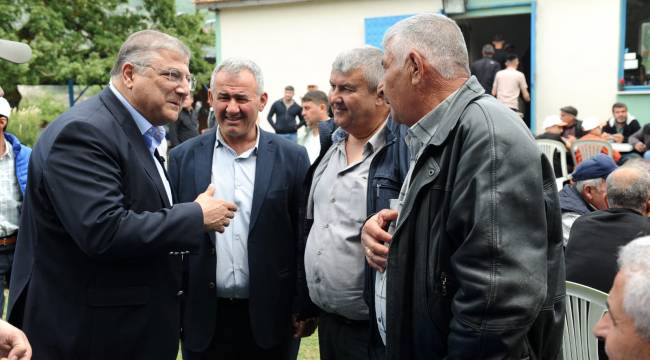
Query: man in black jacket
[596, 237]
[186, 126]
[475, 267]
[486, 68]
[286, 110]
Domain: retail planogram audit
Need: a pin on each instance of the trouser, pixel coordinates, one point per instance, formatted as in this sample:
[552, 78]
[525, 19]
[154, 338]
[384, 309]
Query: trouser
[6, 260]
[340, 338]
[233, 337]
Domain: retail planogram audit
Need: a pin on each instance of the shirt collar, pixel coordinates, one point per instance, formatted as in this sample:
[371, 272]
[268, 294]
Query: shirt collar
[8, 150]
[221, 142]
[376, 141]
[425, 128]
[143, 124]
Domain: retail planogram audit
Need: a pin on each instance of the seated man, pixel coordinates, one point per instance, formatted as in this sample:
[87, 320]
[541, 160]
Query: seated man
[641, 141]
[621, 125]
[586, 193]
[594, 131]
[595, 237]
[553, 127]
[573, 128]
[625, 327]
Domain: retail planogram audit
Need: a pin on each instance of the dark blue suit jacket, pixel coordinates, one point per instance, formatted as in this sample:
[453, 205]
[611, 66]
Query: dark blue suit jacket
[277, 286]
[93, 277]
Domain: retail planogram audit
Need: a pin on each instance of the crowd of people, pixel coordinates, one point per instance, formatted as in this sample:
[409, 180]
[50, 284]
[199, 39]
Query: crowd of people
[419, 221]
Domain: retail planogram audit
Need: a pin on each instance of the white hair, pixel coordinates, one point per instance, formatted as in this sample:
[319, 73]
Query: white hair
[234, 66]
[634, 260]
[367, 59]
[142, 46]
[436, 37]
[594, 183]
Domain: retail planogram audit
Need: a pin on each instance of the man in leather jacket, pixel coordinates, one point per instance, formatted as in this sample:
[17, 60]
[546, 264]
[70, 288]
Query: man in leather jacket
[475, 267]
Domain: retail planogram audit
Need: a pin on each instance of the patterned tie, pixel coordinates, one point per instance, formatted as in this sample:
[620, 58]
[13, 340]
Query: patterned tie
[156, 134]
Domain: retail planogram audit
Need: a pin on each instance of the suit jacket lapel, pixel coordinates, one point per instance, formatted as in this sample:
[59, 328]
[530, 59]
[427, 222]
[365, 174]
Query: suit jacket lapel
[203, 153]
[136, 139]
[263, 170]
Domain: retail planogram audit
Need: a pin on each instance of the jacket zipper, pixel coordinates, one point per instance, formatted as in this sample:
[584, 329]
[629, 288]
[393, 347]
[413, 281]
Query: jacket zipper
[443, 281]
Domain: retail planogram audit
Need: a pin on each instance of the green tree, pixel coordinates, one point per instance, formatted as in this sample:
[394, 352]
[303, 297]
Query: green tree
[79, 39]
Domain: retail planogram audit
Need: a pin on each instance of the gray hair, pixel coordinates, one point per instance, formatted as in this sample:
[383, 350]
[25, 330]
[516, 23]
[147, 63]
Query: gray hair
[234, 66]
[367, 59]
[436, 37]
[595, 183]
[488, 49]
[640, 163]
[628, 187]
[634, 259]
[142, 46]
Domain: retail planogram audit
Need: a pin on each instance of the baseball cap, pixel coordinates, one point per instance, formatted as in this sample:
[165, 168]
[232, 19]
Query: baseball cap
[5, 108]
[591, 123]
[597, 167]
[553, 120]
[569, 110]
[15, 52]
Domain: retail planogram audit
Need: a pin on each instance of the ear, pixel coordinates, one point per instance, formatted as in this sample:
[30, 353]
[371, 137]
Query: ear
[381, 97]
[322, 107]
[128, 71]
[415, 65]
[647, 208]
[3, 123]
[263, 99]
[210, 96]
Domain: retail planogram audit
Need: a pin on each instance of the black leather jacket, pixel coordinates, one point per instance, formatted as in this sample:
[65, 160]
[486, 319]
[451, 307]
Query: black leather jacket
[476, 266]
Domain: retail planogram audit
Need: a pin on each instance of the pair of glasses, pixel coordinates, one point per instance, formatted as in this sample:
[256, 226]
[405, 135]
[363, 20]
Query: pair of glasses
[173, 75]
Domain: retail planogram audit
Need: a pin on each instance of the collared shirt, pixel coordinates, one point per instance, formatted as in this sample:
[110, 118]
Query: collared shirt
[334, 258]
[10, 196]
[233, 177]
[153, 135]
[416, 138]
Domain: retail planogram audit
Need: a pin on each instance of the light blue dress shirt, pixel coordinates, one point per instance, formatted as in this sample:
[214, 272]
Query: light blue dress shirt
[153, 135]
[233, 177]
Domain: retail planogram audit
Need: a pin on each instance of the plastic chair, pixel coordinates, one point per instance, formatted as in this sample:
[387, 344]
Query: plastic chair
[584, 307]
[548, 148]
[589, 149]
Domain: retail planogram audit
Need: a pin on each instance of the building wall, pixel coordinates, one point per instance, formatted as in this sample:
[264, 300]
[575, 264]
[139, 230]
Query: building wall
[577, 56]
[295, 43]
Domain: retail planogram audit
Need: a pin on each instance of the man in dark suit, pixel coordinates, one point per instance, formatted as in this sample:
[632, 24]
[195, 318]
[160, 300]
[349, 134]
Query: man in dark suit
[186, 126]
[98, 266]
[596, 237]
[244, 284]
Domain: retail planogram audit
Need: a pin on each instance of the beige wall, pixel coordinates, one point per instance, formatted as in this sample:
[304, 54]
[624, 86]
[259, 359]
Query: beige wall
[296, 43]
[577, 56]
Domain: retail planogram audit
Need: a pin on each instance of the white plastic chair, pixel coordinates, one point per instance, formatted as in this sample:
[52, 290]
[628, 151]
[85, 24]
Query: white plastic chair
[584, 307]
[548, 148]
[589, 149]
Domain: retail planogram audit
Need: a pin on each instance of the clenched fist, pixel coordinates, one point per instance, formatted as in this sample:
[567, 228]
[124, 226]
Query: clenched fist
[216, 213]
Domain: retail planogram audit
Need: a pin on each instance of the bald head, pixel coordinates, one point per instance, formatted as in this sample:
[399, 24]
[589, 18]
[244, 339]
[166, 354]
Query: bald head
[629, 187]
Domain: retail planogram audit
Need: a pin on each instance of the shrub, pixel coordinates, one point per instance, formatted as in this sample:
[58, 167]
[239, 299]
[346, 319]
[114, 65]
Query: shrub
[25, 121]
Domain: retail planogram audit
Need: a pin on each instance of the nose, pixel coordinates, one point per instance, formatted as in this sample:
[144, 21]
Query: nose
[601, 329]
[233, 107]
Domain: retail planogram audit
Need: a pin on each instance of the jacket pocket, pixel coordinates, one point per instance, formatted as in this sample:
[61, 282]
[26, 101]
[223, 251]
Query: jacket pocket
[116, 297]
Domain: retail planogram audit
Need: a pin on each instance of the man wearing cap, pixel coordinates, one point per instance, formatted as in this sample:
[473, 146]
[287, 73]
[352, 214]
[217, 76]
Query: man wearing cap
[14, 158]
[573, 128]
[593, 128]
[553, 127]
[596, 236]
[587, 192]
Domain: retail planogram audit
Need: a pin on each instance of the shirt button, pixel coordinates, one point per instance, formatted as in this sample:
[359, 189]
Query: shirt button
[319, 252]
[326, 226]
[211, 285]
[333, 200]
[179, 293]
[317, 280]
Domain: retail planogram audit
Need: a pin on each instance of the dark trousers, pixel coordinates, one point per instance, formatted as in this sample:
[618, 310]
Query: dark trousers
[233, 337]
[6, 260]
[342, 339]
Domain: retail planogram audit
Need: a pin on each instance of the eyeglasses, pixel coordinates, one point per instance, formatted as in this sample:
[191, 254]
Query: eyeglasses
[173, 75]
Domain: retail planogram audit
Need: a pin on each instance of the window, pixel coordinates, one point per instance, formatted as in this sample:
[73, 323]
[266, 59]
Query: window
[635, 62]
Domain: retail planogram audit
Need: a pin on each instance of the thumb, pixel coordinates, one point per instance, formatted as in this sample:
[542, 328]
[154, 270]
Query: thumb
[210, 190]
